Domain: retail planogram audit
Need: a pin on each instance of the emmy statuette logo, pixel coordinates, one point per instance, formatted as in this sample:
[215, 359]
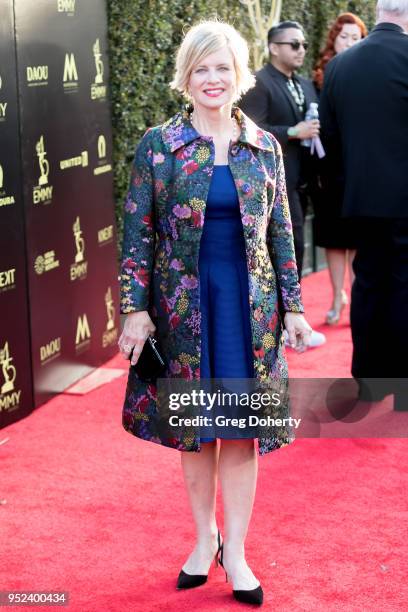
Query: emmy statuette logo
[9, 396]
[79, 241]
[83, 334]
[66, 6]
[98, 89]
[98, 63]
[42, 193]
[5, 199]
[8, 279]
[110, 334]
[103, 166]
[79, 269]
[70, 78]
[110, 309]
[44, 164]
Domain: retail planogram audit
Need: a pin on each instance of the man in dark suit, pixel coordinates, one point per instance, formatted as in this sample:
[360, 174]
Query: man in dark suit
[278, 104]
[364, 110]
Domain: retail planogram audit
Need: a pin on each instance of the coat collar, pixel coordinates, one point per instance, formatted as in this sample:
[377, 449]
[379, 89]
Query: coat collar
[385, 25]
[178, 131]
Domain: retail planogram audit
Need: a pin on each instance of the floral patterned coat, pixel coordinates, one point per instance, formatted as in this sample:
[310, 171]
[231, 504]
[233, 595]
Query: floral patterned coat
[163, 223]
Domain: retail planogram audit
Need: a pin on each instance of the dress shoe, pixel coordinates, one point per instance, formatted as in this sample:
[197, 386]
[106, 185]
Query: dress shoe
[189, 581]
[250, 596]
[334, 314]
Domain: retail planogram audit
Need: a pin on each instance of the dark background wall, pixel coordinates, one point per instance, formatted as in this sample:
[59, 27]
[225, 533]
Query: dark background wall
[59, 314]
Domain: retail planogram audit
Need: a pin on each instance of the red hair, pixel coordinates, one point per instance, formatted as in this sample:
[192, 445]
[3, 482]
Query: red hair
[328, 52]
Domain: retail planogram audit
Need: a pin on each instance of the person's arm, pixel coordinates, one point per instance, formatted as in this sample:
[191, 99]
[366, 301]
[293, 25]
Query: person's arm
[280, 242]
[282, 253]
[138, 232]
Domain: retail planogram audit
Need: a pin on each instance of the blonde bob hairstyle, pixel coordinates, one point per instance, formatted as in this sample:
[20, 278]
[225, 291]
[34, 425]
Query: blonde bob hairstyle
[209, 37]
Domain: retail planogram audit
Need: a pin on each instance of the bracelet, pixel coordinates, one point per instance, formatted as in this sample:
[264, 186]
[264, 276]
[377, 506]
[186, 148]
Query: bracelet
[293, 131]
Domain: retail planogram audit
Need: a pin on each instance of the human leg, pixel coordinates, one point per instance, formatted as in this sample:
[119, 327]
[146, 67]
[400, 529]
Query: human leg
[336, 261]
[351, 253]
[238, 468]
[370, 302]
[200, 477]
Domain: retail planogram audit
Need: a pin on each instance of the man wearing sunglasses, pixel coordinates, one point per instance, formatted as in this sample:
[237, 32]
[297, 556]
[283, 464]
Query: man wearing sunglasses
[278, 103]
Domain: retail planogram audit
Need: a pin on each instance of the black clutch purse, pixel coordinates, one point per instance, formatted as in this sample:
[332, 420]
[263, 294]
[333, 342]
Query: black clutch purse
[151, 363]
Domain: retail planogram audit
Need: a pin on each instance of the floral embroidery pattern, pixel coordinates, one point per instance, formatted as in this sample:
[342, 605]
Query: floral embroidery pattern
[163, 221]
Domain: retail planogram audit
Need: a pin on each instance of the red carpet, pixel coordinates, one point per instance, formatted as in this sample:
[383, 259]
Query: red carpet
[87, 508]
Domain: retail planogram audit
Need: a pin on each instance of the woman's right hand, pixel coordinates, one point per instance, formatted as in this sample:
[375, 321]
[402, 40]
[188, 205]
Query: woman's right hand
[138, 326]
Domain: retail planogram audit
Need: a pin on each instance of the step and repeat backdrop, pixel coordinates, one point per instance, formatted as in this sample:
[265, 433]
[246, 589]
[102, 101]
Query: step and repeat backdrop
[59, 313]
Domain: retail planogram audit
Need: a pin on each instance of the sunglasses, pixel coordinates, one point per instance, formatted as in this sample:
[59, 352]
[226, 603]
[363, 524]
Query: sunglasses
[295, 44]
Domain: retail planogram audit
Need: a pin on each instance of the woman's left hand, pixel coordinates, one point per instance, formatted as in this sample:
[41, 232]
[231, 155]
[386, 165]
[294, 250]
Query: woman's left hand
[299, 331]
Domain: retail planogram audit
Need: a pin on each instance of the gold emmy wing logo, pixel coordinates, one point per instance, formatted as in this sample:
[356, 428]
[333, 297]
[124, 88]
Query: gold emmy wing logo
[79, 241]
[9, 371]
[5, 199]
[110, 309]
[80, 267]
[111, 333]
[83, 333]
[43, 162]
[42, 193]
[98, 63]
[98, 89]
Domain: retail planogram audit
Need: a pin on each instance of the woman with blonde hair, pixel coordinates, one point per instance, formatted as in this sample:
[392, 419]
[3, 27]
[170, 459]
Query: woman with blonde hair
[209, 267]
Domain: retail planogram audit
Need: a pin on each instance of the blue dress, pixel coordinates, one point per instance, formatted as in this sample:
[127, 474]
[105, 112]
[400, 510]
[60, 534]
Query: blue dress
[226, 340]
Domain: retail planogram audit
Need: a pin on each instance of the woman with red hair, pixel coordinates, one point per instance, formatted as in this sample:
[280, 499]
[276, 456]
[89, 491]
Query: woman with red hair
[333, 232]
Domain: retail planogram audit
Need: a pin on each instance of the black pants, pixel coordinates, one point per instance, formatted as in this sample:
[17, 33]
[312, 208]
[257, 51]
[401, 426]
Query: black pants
[297, 216]
[379, 306]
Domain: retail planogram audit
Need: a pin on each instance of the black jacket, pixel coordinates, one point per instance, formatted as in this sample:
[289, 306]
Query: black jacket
[272, 107]
[364, 110]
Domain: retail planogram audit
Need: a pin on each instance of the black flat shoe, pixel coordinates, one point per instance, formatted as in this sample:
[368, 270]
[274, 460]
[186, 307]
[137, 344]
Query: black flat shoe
[189, 581]
[250, 596]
